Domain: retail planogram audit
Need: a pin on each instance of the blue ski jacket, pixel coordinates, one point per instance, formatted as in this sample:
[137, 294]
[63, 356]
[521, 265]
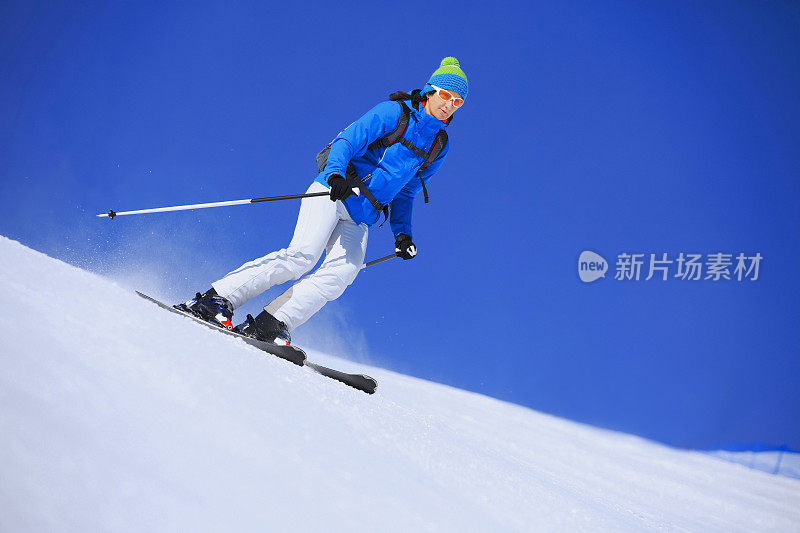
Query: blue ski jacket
[391, 174]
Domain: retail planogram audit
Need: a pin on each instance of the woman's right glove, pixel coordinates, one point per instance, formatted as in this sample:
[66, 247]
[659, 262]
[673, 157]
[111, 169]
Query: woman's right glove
[405, 247]
[340, 189]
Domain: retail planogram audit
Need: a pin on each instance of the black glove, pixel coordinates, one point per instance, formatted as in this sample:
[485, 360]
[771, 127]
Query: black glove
[404, 247]
[340, 189]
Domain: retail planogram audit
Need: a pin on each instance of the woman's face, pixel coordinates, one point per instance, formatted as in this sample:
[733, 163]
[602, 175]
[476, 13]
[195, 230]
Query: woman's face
[440, 108]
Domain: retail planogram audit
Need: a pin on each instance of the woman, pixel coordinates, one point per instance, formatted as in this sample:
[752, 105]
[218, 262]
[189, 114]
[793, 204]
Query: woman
[387, 156]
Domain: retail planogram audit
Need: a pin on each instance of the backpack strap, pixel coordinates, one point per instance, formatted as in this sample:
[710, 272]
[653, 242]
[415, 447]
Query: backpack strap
[437, 147]
[354, 180]
[439, 142]
[398, 131]
[425, 191]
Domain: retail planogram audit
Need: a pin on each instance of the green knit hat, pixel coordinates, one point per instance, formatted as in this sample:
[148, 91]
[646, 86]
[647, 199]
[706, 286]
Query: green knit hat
[449, 76]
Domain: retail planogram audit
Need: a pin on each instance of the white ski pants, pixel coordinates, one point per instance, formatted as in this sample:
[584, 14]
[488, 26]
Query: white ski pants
[321, 225]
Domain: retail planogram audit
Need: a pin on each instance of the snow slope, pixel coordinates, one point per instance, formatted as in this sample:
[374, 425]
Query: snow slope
[118, 416]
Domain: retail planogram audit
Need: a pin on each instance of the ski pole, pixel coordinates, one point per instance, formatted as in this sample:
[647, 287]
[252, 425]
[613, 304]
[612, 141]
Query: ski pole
[381, 260]
[111, 214]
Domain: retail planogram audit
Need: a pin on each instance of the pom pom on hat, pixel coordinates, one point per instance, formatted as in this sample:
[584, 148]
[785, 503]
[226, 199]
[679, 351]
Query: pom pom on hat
[449, 76]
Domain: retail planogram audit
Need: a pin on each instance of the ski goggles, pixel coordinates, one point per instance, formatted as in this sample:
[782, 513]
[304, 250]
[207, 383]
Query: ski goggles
[447, 96]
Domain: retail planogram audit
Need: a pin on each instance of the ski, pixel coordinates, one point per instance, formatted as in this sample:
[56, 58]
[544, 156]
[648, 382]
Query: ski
[361, 382]
[290, 353]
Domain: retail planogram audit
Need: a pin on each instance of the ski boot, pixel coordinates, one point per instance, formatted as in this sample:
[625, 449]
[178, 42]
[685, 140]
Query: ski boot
[265, 327]
[210, 307]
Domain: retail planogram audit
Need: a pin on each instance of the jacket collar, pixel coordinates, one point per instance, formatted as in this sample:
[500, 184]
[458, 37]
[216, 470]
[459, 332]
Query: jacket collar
[424, 118]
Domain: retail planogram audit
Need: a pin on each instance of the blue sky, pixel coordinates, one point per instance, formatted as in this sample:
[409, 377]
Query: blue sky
[617, 127]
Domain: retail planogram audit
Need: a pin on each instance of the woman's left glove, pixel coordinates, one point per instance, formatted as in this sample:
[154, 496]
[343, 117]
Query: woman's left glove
[405, 247]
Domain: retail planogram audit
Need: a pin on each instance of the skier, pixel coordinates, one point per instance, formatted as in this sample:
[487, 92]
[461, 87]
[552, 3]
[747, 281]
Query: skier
[387, 155]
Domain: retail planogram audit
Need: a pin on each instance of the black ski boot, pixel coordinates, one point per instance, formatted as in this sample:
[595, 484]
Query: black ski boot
[211, 307]
[265, 327]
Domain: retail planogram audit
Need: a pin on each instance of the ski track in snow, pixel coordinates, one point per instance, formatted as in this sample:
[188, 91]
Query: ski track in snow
[118, 416]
